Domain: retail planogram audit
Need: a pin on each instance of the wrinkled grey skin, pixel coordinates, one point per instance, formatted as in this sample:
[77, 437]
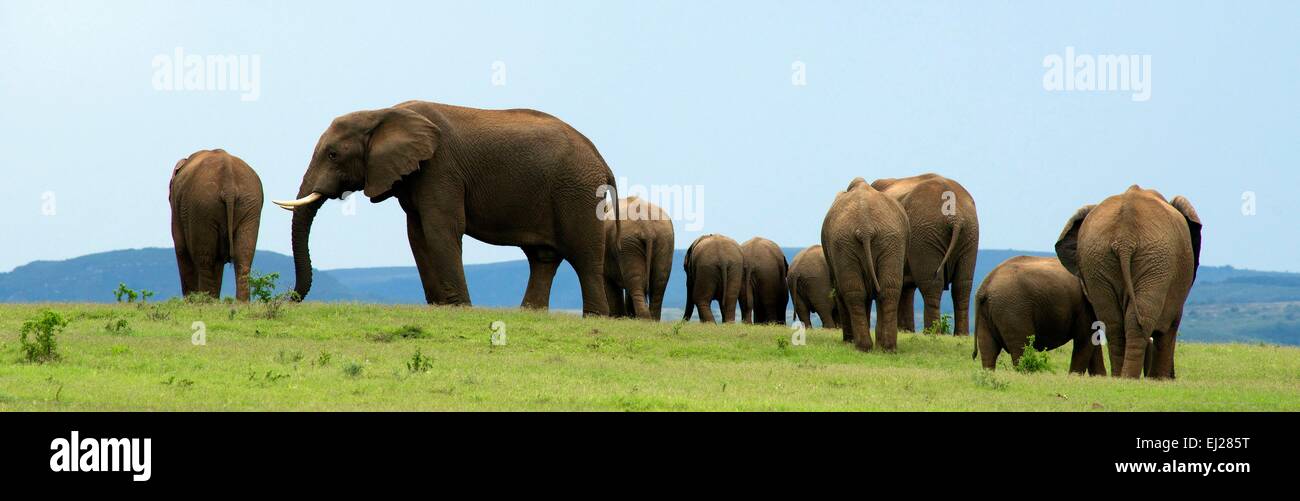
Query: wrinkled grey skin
[505, 177]
[764, 299]
[943, 243]
[715, 271]
[809, 282]
[1137, 256]
[216, 202]
[864, 237]
[1034, 296]
[639, 261]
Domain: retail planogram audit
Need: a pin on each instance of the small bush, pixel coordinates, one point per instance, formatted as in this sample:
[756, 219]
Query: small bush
[988, 379]
[941, 326]
[419, 363]
[119, 326]
[43, 329]
[289, 357]
[200, 298]
[275, 305]
[158, 314]
[1032, 360]
[353, 369]
[262, 287]
[323, 359]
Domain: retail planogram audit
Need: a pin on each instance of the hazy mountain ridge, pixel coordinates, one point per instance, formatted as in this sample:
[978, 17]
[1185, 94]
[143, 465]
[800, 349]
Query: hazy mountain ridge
[1226, 304]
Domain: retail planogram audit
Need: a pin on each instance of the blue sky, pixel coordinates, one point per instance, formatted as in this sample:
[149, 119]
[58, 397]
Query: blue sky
[672, 93]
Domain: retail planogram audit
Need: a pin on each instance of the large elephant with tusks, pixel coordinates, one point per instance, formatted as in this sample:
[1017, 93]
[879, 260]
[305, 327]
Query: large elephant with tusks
[506, 177]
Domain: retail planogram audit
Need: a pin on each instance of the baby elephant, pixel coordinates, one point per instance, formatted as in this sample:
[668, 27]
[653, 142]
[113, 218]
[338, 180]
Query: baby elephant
[1034, 296]
[810, 287]
[764, 299]
[216, 202]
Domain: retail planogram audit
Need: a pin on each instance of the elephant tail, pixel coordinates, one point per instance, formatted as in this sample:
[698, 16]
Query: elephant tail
[230, 225]
[942, 272]
[690, 283]
[618, 223]
[869, 263]
[1125, 256]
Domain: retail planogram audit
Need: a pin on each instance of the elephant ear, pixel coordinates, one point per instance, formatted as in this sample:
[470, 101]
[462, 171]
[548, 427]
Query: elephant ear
[1067, 245]
[398, 143]
[1184, 206]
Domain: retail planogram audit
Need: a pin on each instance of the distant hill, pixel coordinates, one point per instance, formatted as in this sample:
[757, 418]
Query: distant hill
[94, 277]
[1226, 304]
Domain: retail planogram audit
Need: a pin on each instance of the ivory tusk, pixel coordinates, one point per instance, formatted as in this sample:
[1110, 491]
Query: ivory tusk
[293, 204]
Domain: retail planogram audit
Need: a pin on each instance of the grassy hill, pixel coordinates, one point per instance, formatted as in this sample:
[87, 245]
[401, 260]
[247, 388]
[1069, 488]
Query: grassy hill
[362, 357]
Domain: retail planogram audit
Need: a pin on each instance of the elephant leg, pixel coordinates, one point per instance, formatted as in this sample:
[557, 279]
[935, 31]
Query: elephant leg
[1136, 340]
[245, 247]
[185, 265]
[614, 295]
[423, 260]
[887, 319]
[731, 293]
[845, 321]
[591, 278]
[907, 309]
[632, 264]
[658, 285]
[1096, 365]
[859, 319]
[1163, 367]
[986, 335]
[746, 303]
[207, 271]
[442, 238]
[824, 307]
[932, 294]
[801, 312]
[1081, 355]
[542, 264]
[960, 292]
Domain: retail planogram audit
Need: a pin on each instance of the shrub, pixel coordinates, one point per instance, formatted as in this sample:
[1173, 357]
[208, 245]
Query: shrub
[119, 326]
[200, 298]
[275, 304]
[353, 369]
[124, 292]
[262, 287]
[323, 359]
[987, 379]
[1032, 360]
[941, 326]
[43, 329]
[419, 362]
[289, 357]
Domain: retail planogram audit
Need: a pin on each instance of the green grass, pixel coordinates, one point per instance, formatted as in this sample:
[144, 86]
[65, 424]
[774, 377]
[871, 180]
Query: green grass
[363, 357]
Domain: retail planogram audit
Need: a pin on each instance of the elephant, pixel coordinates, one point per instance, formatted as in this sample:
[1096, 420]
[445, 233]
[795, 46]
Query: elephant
[638, 261]
[216, 202]
[1136, 255]
[809, 282]
[514, 177]
[715, 271]
[1034, 296]
[764, 297]
[945, 233]
[864, 237]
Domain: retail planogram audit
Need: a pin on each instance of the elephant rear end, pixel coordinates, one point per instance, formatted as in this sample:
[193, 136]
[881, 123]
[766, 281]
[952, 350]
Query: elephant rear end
[216, 201]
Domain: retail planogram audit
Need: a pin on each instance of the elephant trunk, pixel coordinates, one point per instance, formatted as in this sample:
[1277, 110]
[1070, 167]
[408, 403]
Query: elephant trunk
[302, 219]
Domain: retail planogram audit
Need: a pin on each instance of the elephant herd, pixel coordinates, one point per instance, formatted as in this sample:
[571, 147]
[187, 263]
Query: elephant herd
[523, 178]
